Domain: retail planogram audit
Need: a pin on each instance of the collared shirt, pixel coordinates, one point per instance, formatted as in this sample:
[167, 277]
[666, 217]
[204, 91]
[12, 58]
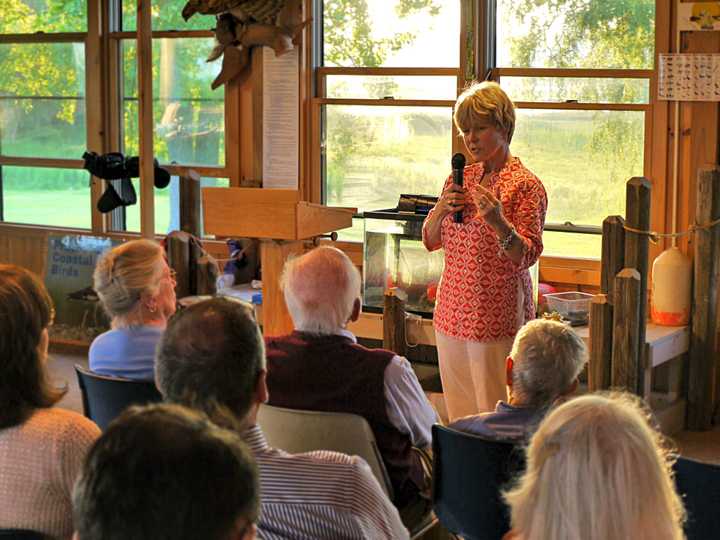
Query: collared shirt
[506, 423]
[320, 495]
[407, 407]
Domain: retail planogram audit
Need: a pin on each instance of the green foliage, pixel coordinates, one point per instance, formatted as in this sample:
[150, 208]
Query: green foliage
[348, 38]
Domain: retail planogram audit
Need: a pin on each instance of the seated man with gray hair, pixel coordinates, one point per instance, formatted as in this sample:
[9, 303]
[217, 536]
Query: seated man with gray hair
[321, 367]
[165, 472]
[543, 368]
[212, 358]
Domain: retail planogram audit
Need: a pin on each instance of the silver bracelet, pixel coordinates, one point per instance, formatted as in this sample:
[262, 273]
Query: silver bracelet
[506, 243]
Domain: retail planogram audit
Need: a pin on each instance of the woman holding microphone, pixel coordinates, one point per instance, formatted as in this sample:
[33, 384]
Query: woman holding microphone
[485, 294]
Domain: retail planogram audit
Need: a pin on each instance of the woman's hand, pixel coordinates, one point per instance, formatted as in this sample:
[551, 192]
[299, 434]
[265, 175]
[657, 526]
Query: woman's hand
[453, 199]
[488, 206]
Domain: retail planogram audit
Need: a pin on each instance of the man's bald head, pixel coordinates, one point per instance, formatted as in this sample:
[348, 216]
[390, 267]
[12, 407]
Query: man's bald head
[321, 288]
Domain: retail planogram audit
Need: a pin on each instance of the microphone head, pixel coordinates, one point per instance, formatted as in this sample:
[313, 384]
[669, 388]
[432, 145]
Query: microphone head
[458, 161]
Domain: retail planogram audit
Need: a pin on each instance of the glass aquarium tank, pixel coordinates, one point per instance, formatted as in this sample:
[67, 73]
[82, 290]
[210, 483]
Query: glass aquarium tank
[394, 256]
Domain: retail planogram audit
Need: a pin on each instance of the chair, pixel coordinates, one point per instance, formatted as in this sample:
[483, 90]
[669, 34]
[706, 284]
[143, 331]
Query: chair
[105, 397]
[698, 484]
[21, 534]
[468, 474]
[297, 431]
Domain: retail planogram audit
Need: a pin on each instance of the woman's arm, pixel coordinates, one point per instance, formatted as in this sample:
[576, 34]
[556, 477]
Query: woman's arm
[451, 200]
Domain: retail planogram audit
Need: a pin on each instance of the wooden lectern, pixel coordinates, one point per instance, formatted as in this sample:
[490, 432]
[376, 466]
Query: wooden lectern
[282, 222]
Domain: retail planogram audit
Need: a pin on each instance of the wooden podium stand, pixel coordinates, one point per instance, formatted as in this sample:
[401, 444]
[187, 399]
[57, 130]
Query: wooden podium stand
[282, 222]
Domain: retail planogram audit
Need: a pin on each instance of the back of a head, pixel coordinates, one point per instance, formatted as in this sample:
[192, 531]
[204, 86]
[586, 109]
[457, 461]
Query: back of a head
[210, 358]
[163, 472]
[547, 358]
[597, 471]
[25, 311]
[320, 288]
[123, 273]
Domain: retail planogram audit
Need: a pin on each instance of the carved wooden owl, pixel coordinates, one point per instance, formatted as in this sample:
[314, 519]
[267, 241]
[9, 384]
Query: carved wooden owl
[264, 11]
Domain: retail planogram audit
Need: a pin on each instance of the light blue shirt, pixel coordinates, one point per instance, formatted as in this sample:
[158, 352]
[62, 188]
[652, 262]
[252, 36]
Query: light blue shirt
[126, 352]
[506, 423]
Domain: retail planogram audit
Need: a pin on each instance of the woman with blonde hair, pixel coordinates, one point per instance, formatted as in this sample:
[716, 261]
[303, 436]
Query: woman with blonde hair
[41, 447]
[485, 294]
[137, 289]
[596, 470]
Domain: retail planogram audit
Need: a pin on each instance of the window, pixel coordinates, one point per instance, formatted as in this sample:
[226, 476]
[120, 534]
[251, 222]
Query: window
[54, 53]
[188, 116]
[386, 88]
[579, 73]
[42, 113]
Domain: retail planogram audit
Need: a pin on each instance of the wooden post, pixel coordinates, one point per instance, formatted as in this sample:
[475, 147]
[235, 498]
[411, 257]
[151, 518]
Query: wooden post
[601, 337]
[178, 247]
[637, 210]
[206, 270]
[702, 392]
[190, 203]
[613, 253]
[145, 118]
[626, 331]
[273, 254]
[394, 323]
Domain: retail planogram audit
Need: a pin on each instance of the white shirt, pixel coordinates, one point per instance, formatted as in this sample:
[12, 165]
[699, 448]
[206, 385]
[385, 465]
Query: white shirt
[407, 407]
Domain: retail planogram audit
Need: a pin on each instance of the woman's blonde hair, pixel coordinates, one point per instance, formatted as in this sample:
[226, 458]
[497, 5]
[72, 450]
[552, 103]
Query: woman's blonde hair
[125, 272]
[597, 470]
[484, 103]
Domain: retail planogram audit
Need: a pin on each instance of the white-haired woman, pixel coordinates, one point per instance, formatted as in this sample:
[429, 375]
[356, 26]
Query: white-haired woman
[485, 294]
[137, 289]
[596, 470]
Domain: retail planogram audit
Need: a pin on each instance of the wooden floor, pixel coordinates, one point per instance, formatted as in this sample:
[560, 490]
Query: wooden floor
[703, 446]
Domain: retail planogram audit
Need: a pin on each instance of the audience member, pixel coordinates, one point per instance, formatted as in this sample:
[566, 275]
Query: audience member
[596, 471]
[164, 472]
[41, 447]
[321, 367]
[546, 359]
[212, 358]
[137, 289]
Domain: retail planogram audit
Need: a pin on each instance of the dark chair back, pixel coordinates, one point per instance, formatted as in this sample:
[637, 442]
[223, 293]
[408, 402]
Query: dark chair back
[21, 534]
[104, 397]
[699, 486]
[468, 474]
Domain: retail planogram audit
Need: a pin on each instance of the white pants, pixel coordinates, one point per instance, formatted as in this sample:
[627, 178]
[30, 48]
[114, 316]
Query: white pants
[472, 374]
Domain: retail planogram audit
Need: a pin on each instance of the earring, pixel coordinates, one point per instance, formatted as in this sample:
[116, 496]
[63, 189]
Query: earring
[152, 308]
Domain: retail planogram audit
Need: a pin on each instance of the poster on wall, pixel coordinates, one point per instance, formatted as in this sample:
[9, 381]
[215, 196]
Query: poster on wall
[281, 120]
[698, 16]
[68, 277]
[689, 77]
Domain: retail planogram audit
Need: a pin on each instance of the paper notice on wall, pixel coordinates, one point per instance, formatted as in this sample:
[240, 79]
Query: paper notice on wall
[281, 119]
[689, 77]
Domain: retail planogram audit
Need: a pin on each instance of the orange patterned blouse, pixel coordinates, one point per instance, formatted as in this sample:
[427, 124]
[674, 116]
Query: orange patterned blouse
[483, 295]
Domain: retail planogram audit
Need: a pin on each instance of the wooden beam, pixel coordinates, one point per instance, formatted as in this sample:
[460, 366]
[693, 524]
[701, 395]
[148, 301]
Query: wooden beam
[613, 253]
[94, 117]
[626, 331]
[273, 254]
[601, 339]
[576, 73]
[702, 393]
[190, 213]
[145, 118]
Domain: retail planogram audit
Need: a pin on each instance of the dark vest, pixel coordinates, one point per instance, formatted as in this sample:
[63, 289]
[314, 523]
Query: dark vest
[333, 374]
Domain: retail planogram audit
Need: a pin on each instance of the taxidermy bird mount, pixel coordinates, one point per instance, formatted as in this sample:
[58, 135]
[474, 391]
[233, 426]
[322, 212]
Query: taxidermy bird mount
[242, 24]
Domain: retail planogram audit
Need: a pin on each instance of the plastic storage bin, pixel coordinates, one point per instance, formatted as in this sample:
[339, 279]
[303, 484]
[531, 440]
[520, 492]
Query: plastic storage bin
[573, 306]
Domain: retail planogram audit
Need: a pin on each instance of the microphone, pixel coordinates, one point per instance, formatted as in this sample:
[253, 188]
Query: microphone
[458, 166]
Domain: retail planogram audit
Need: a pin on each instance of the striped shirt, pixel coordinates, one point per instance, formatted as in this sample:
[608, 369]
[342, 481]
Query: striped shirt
[319, 495]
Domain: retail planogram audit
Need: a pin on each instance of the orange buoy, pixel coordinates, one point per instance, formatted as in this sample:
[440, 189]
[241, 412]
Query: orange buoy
[671, 288]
